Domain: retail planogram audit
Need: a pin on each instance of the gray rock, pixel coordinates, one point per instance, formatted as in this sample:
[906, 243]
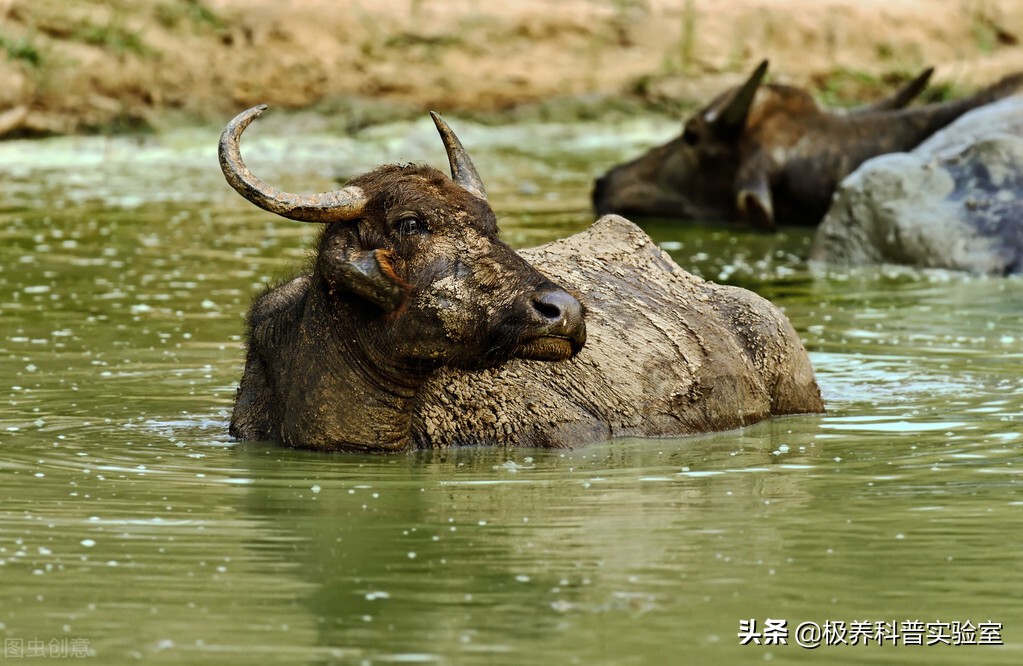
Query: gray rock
[953, 202]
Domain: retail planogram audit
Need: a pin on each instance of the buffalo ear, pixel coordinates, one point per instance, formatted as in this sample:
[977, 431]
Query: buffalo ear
[370, 275]
[753, 197]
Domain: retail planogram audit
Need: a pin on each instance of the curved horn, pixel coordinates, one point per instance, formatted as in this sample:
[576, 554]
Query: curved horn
[462, 170]
[901, 98]
[336, 206]
[732, 118]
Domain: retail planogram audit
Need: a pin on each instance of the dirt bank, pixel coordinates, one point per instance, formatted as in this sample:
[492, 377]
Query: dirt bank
[99, 65]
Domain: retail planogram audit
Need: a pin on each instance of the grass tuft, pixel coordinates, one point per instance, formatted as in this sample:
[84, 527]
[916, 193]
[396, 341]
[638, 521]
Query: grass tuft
[21, 50]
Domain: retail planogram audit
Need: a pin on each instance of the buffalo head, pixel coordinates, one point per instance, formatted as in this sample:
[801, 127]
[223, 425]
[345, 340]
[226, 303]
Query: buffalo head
[410, 271]
[767, 153]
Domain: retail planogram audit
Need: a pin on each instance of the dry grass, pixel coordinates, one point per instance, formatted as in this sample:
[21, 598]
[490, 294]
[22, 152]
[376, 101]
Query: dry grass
[91, 63]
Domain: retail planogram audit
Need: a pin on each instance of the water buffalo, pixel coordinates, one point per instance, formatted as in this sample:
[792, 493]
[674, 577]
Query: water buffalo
[767, 153]
[416, 327]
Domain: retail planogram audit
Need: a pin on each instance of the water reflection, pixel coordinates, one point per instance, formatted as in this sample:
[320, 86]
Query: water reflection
[129, 517]
[452, 545]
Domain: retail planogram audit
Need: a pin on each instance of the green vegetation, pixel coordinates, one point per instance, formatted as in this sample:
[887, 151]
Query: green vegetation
[682, 59]
[22, 50]
[172, 14]
[688, 45]
[942, 91]
[842, 87]
[112, 36]
[988, 31]
[845, 87]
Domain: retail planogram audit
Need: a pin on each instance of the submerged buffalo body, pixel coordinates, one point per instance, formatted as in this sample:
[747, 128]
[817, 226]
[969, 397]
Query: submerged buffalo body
[416, 327]
[768, 154]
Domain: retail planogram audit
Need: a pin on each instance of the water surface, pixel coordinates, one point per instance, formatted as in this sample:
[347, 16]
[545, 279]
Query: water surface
[132, 525]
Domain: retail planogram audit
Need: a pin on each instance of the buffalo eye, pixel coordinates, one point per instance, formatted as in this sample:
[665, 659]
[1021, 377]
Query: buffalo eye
[690, 136]
[410, 225]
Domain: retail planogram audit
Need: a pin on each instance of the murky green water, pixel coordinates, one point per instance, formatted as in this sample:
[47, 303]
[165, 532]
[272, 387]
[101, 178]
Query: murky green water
[133, 528]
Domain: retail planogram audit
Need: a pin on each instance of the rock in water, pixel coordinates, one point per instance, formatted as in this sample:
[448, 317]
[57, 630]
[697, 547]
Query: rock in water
[954, 202]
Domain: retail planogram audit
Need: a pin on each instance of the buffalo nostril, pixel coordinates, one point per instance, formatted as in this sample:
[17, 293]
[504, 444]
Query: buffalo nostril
[547, 307]
[557, 314]
[558, 307]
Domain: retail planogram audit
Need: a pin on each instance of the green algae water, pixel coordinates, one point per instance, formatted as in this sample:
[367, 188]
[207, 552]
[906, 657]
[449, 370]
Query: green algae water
[132, 529]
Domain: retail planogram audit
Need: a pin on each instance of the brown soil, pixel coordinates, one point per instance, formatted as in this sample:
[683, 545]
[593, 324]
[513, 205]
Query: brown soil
[102, 64]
